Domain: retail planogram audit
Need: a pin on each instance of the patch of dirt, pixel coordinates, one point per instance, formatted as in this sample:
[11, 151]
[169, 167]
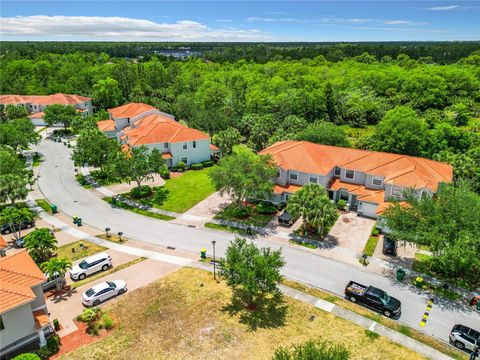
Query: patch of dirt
[347, 220]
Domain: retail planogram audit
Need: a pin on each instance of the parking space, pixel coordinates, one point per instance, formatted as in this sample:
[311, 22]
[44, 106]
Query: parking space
[351, 232]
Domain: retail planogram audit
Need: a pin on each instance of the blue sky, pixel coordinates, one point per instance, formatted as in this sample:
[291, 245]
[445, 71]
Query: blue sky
[118, 20]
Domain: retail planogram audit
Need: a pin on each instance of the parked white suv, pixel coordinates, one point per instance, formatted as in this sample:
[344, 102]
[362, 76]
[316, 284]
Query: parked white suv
[464, 337]
[91, 265]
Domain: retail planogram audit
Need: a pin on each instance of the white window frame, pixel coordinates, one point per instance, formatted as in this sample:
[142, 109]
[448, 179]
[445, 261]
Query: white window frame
[314, 177]
[377, 178]
[184, 159]
[185, 146]
[293, 173]
[397, 190]
[353, 174]
[335, 169]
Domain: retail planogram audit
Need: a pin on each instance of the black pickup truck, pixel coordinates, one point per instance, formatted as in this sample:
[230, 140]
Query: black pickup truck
[373, 298]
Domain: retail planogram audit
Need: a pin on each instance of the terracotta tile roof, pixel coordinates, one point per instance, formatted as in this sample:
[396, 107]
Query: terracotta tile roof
[166, 156]
[285, 189]
[41, 319]
[106, 125]
[155, 128]
[364, 194]
[130, 110]
[38, 115]
[385, 205]
[3, 242]
[213, 147]
[18, 273]
[401, 170]
[64, 99]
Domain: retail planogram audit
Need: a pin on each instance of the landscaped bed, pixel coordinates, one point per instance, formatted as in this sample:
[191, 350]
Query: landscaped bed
[136, 210]
[188, 315]
[244, 214]
[229, 228]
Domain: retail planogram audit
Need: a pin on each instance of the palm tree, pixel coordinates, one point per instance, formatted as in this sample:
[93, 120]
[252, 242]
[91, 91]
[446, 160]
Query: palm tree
[41, 244]
[59, 267]
[311, 202]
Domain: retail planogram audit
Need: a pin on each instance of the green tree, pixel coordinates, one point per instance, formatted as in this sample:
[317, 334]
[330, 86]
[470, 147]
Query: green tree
[95, 149]
[58, 267]
[313, 350]
[401, 131]
[227, 139]
[461, 114]
[466, 166]
[13, 217]
[244, 174]
[312, 203]
[13, 187]
[18, 133]
[324, 133]
[106, 93]
[254, 271]
[41, 244]
[60, 114]
[15, 112]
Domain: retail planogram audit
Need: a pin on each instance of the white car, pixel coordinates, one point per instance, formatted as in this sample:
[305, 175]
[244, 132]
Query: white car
[91, 265]
[464, 337]
[103, 291]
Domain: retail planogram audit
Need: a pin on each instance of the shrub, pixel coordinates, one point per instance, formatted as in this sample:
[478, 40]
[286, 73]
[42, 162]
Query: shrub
[107, 321]
[53, 343]
[242, 212]
[91, 316]
[208, 163]
[180, 166]
[375, 232]
[165, 173]
[26, 356]
[141, 192]
[198, 166]
[341, 204]
[313, 349]
[56, 324]
[265, 208]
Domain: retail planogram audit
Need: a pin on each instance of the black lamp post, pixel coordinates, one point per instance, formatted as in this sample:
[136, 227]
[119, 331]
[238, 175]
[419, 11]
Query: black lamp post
[120, 236]
[214, 262]
[107, 229]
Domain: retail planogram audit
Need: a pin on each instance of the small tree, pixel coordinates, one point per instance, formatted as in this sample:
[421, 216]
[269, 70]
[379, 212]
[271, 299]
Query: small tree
[312, 203]
[41, 244]
[106, 93]
[13, 217]
[256, 271]
[18, 133]
[60, 114]
[13, 187]
[58, 267]
[313, 350]
[227, 139]
[324, 133]
[15, 112]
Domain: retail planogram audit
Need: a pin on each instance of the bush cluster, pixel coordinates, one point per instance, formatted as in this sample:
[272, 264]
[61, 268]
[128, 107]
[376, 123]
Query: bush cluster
[375, 232]
[341, 204]
[52, 347]
[208, 163]
[242, 212]
[265, 208]
[198, 166]
[141, 192]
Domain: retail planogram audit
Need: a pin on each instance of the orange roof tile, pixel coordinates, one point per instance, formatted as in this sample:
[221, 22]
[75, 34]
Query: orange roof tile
[130, 110]
[18, 273]
[106, 125]
[385, 205]
[38, 115]
[214, 148]
[398, 169]
[41, 319]
[288, 189]
[166, 156]
[3, 242]
[64, 99]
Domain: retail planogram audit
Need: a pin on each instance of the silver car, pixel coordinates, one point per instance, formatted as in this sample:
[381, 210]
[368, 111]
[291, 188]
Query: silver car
[464, 337]
[103, 291]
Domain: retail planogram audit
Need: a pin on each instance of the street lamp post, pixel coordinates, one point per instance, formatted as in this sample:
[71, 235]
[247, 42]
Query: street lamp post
[120, 236]
[214, 262]
[106, 231]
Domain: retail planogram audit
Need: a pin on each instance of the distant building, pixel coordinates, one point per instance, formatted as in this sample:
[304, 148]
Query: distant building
[23, 311]
[36, 104]
[138, 124]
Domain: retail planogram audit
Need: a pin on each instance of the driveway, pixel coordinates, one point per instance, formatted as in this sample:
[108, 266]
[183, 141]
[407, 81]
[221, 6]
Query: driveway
[66, 307]
[351, 231]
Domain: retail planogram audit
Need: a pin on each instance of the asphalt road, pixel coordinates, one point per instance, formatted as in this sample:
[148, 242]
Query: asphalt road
[58, 184]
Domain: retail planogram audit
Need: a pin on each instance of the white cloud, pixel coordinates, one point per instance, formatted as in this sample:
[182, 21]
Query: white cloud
[119, 28]
[273, 19]
[403, 22]
[443, 8]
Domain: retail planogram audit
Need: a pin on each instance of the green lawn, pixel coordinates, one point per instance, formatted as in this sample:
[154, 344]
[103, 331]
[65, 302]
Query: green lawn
[44, 204]
[138, 211]
[186, 190]
[228, 228]
[371, 245]
[255, 219]
[421, 263]
[88, 249]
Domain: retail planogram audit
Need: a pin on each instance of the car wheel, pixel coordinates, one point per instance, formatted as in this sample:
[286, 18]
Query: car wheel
[105, 267]
[82, 276]
[459, 345]
[122, 291]
[96, 302]
[7, 231]
[353, 299]
[387, 313]
[29, 226]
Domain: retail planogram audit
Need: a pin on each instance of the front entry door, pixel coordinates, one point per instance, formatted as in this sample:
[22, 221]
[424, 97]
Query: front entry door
[354, 203]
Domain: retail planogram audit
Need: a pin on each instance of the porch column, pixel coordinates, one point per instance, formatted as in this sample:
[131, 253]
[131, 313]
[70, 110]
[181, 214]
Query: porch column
[41, 337]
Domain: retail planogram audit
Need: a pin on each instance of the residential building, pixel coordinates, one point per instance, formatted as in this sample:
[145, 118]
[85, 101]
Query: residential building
[138, 124]
[36, 104]
[366, 180]
[23, 311]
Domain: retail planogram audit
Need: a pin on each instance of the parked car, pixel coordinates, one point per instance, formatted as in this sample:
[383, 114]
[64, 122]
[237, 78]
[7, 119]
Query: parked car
[374, 298]
[286, 219]
[51, 281]
[103, 291]
[389, 246]
[91, 265]
[6, 229]
[464, 338]
[19, 243]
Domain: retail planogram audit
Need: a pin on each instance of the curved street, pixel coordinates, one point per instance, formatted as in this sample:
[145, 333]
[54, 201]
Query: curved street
[59, 186]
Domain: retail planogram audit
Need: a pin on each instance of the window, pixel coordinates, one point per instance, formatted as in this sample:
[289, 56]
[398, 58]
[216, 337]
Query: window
[184, 146]
[194, 144]
[313, 179]
[2, 326]
[349, 174]
[396, 190]
[184, 159]
[337, 171]
[360, 206]
[293, 176]
[165, 145]
[377, 181]
[278, 173]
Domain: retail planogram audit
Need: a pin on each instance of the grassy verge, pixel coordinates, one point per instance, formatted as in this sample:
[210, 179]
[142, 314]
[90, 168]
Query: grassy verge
[37, 159]
[81, 179]
[371, 245]
[421, 263]
[229, 228]
[88, 248]
[44, 204]
[255, 219]
[138, 211]
[188, 315]
[101, 274]
[113, 238]
[41, 129]
[301, 243]
[392, 324]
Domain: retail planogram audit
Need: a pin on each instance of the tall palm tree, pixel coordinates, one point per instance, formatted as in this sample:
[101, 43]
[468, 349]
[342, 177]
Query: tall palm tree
[41, 244]
[59, 267]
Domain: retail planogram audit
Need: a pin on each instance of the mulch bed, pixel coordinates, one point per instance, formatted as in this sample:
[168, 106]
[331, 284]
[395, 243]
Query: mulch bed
[78, 338]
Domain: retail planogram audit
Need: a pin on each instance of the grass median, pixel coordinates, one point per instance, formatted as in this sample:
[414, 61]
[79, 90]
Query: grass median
[136, 210]
[45, 205]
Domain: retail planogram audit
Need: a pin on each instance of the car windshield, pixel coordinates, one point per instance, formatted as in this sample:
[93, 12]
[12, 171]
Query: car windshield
[111, 284]
[83, 264]
[385, 298]
[90, 292]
